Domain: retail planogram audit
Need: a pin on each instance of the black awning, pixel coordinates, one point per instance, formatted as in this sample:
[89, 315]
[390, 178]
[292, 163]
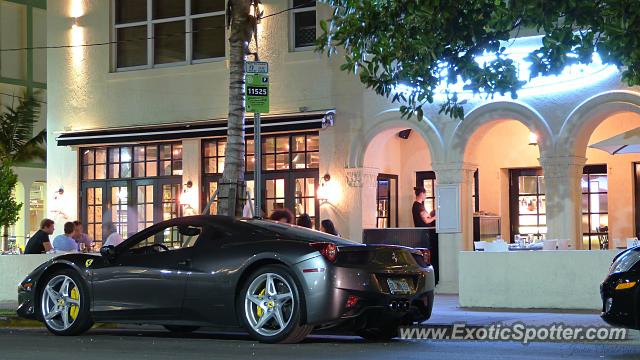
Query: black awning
[209, 128]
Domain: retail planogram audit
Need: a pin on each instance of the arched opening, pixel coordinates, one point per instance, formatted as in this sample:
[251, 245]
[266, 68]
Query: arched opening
[609, 186]
[508, 190]
[402, 159]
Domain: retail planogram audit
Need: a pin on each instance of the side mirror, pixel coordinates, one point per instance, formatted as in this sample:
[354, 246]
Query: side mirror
[108, 252]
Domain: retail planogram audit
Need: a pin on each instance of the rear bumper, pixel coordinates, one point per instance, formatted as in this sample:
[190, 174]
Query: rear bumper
[327, 294]
[621, 307]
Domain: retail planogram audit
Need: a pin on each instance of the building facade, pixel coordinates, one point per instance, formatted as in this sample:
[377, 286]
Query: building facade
[137, 134]
[23, 72]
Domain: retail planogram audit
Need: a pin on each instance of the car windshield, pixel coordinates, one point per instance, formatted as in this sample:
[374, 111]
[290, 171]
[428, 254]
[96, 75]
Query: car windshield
[299, 232]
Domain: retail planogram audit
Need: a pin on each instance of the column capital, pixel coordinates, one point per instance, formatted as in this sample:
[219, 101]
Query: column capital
[562, 166]
[454, 172]
[362, 177]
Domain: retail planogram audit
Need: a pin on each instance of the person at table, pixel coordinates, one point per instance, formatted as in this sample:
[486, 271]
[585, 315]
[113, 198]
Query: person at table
[65, 242]
[83, 239]
[421, 218]
[305, 221]
[39, 242]
[113, 238]
[282, 215]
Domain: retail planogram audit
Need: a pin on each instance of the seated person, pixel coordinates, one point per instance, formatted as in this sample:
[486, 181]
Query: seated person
[64, 242]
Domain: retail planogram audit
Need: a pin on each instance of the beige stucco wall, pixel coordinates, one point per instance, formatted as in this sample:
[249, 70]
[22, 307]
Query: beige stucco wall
[85, 93]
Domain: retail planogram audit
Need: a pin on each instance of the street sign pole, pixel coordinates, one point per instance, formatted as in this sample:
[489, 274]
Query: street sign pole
[257, 90]
[257, 153]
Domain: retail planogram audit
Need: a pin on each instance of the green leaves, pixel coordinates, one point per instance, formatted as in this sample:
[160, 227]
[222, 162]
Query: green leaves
[9, 208]
[17, 143]
[424, 44]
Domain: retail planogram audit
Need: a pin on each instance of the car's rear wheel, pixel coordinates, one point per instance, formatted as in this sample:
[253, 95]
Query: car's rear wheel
[181, 328]
[270, 306]
[64, 303]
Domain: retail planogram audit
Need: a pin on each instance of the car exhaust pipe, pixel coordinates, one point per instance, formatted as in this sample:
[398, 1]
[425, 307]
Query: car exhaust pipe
[402, 305]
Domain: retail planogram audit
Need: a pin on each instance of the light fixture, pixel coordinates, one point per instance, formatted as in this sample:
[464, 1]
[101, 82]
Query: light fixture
[189, 184]
[533, 139]
[75, 22]
[323, 191]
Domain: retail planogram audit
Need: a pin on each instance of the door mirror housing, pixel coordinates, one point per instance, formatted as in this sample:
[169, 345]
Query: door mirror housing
[108, 252]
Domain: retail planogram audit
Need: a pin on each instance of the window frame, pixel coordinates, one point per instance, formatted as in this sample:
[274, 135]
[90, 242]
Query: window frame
[292, 26]
[149, 22]
[588, 171]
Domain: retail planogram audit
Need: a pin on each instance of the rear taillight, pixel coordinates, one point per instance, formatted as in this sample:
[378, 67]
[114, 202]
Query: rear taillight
[327, 249]
[426, 255]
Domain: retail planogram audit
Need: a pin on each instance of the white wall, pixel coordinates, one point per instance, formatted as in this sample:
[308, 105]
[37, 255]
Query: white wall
[14, 268]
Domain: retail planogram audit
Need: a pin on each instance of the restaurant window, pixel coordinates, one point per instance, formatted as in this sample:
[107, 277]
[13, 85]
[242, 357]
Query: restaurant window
[156, 32]
[36, 205]
[387, 201]
[303, 24]
[595, 207]
[290, 171]
[527, 203]
[130, 186]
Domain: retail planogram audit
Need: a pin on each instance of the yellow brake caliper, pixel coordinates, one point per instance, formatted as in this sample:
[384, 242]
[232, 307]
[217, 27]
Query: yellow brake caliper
[75, 295]
[260, 295]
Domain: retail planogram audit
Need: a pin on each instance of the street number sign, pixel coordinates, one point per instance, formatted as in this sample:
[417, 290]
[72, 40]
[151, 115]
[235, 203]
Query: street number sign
[258, 67]
[257, 91]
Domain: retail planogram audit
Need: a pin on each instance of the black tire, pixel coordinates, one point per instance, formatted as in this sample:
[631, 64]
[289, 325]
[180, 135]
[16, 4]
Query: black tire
[83, 320]
[383, 333]
[294, 331]
[181, 329]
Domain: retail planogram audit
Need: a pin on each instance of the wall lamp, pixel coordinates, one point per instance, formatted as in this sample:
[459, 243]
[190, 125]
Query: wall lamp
[533, 139]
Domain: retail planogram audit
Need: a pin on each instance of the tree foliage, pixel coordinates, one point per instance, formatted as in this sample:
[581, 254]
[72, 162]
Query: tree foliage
[9, 207]
[17, 142]
[427, 44]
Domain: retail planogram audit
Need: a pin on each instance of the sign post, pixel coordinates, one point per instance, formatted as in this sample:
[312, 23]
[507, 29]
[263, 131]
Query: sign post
[257, 92]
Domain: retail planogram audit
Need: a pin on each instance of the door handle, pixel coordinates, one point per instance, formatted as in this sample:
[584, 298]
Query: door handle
[184, 262]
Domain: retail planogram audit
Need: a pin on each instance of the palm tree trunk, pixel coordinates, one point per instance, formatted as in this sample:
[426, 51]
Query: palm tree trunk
[232, 185]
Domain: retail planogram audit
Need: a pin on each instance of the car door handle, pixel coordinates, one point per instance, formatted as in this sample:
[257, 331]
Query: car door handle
[184, 262]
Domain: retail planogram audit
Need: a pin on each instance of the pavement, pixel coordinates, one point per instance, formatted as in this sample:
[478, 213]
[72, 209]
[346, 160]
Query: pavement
[140, 342]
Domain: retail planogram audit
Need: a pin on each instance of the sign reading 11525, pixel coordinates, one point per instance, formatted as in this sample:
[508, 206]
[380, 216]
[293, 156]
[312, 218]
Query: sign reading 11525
[257, 91]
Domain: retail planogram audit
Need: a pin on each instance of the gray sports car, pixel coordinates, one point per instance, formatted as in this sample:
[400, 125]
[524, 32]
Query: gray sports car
[279, 282]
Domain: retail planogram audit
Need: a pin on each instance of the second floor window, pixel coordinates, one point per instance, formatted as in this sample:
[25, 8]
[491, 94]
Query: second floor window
[303, 24]
[152, 33]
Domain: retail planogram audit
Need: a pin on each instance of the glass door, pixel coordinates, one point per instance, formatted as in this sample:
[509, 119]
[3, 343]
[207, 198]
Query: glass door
[527, 203]
[275, 190]
[169, 193]
[637, 194]
[305, 187]
[595, 207]
[143, 203]
[387, 201]
[93, 205]
[118, 204]
[427, 180]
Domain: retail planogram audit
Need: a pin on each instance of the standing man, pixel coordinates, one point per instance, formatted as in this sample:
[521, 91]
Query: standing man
[64, 242]
[39, 242]
[81, 238]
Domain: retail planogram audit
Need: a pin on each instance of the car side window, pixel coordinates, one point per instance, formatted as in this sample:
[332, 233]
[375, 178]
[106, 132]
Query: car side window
[171, 238]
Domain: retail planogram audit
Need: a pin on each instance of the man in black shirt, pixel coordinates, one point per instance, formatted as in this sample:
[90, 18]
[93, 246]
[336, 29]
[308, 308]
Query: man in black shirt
[39, 242]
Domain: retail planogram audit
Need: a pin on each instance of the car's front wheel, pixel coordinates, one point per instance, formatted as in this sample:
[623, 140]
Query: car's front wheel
[270, 306]
[64, 303]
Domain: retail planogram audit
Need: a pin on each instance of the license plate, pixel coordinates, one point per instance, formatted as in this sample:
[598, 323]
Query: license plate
[398, 286]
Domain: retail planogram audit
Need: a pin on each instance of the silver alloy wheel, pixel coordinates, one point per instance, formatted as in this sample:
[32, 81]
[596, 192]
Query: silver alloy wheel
[57, 303]
[269, 304]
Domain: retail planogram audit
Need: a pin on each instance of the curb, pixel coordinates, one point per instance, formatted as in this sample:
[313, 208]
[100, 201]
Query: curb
[18, 322]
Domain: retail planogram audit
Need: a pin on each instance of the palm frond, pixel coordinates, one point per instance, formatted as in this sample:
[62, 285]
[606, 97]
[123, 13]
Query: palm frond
[17, 142]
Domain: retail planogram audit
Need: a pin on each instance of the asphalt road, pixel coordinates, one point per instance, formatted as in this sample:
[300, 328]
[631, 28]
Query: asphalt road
[158, 345]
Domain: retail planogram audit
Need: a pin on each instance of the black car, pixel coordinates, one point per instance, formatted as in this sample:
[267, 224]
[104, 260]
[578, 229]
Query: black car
[277, 281]
[620, 291]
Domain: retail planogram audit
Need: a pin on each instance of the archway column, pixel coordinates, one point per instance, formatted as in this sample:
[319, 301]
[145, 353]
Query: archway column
[562, 176]
[450, 244]
[361, 188]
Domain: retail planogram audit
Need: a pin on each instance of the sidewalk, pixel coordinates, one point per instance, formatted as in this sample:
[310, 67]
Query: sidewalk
[446, 311]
